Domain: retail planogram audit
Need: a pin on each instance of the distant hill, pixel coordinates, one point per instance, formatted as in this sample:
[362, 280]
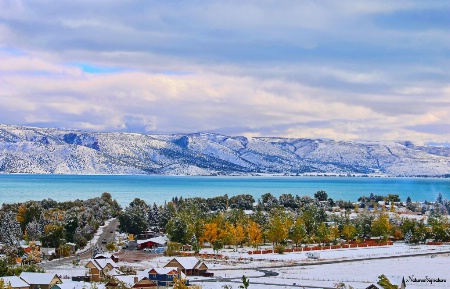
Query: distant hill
[55, 151]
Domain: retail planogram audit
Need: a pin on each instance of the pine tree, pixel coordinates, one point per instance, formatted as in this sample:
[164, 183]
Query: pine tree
[10, 231]
[408, 237]
[34, 230]
[154, 216]
[195, 244]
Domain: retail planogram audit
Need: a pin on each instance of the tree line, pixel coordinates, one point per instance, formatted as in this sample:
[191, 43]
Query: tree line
[52, 223]
[238, 220]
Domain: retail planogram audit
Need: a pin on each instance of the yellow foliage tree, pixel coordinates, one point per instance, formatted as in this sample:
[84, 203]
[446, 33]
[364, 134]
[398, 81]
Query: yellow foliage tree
[34, 256]
[210, 233]
[381, 226]
[334, 232]
[239, 235]
[348, 231]
[254, 235]
[278, 227]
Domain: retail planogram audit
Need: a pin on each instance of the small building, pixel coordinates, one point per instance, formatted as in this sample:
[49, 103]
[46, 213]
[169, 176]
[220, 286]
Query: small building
[98, 268]
[40, 280]
[106, 256]
[190, 266]
[15, 282]
[160, 241]
[164, 276]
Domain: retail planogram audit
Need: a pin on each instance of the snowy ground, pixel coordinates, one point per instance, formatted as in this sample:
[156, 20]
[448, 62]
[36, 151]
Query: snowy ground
[356, 267]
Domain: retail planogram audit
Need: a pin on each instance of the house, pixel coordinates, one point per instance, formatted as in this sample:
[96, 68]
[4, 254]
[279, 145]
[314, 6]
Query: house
[372, 286]
[40, 280]
[76, 285]
[164, 276]
[98, 268]
[131, 281]
[190, 266]
[152, 242]
[107, 256]
[15, 282]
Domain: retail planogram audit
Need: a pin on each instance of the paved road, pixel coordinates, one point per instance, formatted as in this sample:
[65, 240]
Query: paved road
[106, 234]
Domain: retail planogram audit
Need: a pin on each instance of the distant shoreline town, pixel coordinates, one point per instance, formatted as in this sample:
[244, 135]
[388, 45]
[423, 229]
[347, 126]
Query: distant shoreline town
[35, 234]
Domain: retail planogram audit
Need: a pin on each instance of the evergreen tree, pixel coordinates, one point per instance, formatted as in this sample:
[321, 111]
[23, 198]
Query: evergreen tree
[154, 216]
[10, 232]
[34, 230]
[321, 196]
[167, 212]
[409, 205]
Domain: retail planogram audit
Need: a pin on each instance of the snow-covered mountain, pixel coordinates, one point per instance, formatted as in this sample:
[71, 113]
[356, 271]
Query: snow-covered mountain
[55, 151]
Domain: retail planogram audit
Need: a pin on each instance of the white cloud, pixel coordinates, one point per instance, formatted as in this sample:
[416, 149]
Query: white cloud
[297, 69]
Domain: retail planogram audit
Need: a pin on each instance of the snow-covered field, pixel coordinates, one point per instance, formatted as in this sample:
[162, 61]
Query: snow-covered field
[356, 267]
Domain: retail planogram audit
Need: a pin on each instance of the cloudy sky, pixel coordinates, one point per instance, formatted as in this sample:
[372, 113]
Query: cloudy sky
[345, 70]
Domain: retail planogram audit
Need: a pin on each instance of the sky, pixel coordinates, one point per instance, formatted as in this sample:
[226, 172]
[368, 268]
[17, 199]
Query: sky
[343, 70]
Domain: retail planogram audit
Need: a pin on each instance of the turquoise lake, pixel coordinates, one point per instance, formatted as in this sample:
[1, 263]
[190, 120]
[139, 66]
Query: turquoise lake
[124, 188]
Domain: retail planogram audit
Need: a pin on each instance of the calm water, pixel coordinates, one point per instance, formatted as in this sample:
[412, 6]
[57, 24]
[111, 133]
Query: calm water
[19, 188]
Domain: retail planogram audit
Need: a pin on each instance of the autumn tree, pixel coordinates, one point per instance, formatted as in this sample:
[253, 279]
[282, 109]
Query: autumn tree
[278, 226]
[312, 215]
[254, 235]
[34, 255]
[210, 233]
[297, 232]
[322, 233]
[349, 232]
[381, 226]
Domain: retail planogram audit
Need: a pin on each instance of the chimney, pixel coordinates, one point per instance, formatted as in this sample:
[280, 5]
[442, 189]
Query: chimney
[135, 279]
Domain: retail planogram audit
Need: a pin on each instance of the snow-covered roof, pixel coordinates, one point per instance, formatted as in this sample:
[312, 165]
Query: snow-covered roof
[69, 284]
[129, 280]
[115, 272]
[158, 240]
[15, 281]
[187, 262]
[103, 255]
[166, 270]
[37, 278]
[163, 271]
[103, 262]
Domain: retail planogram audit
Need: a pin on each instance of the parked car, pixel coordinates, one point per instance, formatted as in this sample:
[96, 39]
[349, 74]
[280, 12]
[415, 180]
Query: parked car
[147, 249]
[104, 241]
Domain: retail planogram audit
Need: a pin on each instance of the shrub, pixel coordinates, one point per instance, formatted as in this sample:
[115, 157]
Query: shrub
[280, 249]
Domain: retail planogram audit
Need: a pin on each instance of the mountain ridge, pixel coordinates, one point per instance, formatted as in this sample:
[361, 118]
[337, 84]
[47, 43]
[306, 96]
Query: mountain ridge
[64, 151]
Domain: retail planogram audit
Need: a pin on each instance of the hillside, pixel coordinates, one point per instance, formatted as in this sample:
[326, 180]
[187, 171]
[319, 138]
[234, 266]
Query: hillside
[55, 151]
